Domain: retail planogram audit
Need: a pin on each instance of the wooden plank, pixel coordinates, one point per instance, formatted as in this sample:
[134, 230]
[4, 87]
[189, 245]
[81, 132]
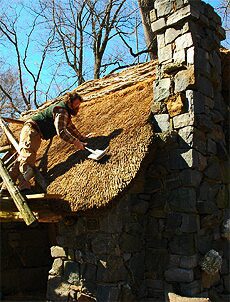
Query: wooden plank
[40, 196]
[5, 148]
[45, 216]
[19, 200]
[38, 176]
[13, 121]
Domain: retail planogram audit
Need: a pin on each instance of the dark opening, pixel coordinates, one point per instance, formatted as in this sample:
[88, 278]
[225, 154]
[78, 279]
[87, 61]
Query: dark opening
[25, 261]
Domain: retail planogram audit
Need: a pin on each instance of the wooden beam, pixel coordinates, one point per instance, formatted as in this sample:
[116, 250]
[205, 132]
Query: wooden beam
[43, 216]
[9, 134]
[13, 121]
[5, 148]
[38, 176]
[40, 196]
[19, 200]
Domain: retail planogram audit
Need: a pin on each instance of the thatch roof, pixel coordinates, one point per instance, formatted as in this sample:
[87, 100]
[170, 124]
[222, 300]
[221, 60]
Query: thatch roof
[116, 111]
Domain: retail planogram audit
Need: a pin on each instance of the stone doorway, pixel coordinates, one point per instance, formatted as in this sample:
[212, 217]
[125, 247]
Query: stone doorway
[25, 261]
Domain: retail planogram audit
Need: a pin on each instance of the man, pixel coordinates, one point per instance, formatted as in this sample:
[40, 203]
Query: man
[54, 120]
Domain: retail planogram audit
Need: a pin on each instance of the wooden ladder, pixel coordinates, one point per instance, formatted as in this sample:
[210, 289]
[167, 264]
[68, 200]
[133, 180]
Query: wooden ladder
[20, 201]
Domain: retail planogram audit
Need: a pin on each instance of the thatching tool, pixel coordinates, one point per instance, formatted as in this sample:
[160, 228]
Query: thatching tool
[97, 154]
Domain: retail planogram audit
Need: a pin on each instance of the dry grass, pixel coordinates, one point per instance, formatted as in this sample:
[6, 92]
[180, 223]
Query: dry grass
[116, 112]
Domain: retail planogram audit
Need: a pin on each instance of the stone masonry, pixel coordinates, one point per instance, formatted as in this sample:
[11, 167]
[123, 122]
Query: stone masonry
[189, 110]
[170, 231]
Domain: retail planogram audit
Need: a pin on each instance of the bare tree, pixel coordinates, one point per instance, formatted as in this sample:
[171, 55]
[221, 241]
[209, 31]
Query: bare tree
[70, 19]
[104, 19]
[11, 103]
[145, 7]
[9, 32]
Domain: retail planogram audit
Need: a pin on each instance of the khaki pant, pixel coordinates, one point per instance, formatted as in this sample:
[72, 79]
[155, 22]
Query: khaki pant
[30, 141]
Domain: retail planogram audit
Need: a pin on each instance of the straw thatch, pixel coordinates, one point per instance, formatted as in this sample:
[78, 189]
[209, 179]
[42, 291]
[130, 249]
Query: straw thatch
[116, 111]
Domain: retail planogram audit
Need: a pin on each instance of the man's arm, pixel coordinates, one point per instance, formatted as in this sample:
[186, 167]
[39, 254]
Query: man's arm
[73, 130]
[61, 119]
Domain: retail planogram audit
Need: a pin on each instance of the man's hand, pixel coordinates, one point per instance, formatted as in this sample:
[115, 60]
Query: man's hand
[79, 145]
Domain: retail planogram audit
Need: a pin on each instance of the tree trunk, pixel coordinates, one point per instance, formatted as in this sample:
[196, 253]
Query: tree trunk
[97, 67]
[145, 7]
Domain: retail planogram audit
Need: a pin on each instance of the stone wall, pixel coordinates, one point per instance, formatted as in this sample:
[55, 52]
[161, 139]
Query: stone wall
[170, 230]
[189, 109]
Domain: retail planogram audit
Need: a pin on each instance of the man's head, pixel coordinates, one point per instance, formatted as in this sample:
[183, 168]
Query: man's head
[73, 101]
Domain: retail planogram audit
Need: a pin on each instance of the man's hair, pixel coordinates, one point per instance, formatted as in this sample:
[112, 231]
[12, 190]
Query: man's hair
[71, 96]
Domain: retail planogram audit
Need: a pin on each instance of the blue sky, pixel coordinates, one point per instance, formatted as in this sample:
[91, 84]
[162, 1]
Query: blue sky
[35, 57]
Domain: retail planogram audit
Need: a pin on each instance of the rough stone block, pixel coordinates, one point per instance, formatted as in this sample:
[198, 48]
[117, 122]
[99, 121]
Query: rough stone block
[158, 25]
[205, 86]
[190, 53]
[88, 271]
[199, 161]
[183, 120]
[189, 261]
[184, 41]
[213, 171]
[161, 122]
[225, 229]
[107, 293]
[163, 7]
[171, 34]
[162, 89]
[165, 53]
[196, 101]
[156, 260]
[184, 79]
[174, 261]
[227, 283]
[160, 41]
[190, 223]
[111, 271]
[211, 146]
[130, 243]
[174, 221]
[191, 177]
[182, 245]
[175, 104]
[181, 14]
[191, 289]
[186, 135]
[103, 244]
[179, 56]
[206, 207]
[181, 159]
[71, 272]
[179, 275]
[153, 15]
[56, 267]
[58, 252]
[183, 200]
[57, 290]
[136, 266]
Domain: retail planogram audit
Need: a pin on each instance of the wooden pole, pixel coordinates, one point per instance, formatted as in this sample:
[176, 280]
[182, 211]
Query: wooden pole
[10, 136]
[11, 120]
[5, 148]
[19, 200]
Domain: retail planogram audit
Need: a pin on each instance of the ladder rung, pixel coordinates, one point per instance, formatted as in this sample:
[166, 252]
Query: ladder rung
[6, 148]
